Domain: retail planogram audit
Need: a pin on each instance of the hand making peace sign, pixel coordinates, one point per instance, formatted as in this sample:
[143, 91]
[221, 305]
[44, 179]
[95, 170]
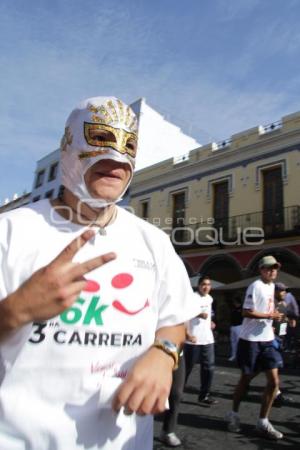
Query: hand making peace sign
[55, 287]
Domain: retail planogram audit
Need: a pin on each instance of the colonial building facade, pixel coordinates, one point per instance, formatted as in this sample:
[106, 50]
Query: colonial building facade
[227, 204]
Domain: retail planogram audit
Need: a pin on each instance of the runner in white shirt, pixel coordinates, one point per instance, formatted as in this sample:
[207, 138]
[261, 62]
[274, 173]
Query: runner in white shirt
[199, 345]
[256, 352]
[88, 342]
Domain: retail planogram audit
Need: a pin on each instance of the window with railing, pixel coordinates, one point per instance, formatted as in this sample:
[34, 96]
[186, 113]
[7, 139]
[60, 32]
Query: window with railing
[221, 207]
[178, 213]
[144, 208]
[250, 224]
[273, 219]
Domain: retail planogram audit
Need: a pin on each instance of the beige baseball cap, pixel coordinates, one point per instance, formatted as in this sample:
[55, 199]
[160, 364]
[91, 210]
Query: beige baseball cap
[269, 261]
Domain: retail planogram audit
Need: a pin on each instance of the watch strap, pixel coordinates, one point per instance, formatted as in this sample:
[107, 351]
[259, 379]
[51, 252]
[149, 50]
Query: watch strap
[169, 348]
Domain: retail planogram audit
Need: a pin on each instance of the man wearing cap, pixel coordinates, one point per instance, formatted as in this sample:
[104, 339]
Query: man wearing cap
[90, 312]
[255, 350]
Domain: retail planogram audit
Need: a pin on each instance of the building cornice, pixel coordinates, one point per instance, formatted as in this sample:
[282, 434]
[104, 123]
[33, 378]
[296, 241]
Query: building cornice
[196, 170]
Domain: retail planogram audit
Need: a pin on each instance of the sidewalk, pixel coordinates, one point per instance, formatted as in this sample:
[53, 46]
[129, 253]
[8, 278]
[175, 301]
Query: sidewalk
[203, 427]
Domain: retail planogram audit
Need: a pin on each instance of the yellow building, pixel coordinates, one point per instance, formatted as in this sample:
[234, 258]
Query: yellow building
[227, 204]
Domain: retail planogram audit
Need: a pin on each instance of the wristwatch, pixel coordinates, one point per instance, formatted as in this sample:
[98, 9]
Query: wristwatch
[168, 347]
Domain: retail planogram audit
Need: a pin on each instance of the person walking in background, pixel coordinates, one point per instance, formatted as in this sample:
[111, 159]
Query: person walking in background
[280, 326]
[236, 319]
[280, 330]
[168, 435]
[293, 313]
[199, 345]
[256, 352]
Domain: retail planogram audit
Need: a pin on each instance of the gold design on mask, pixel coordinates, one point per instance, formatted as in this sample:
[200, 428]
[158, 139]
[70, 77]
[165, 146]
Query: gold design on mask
[92, 108]
[112, 111]
[93, 153]
[114, 114]
[66, 140]
[100, 135]
[107, 117]
[96, 118]
[121, 110]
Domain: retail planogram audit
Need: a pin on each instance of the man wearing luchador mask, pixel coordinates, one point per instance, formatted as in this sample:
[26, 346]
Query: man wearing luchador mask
[92, 301]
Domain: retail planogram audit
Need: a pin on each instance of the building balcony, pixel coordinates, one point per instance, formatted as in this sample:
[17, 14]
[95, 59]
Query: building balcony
[253, 228]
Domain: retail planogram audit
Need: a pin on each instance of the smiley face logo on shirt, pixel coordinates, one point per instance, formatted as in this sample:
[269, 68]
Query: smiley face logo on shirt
[120, 281]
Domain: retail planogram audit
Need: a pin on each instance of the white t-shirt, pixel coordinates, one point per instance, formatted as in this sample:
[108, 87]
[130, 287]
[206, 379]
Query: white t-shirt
[198, 327]
[259, 297]
[57, 378]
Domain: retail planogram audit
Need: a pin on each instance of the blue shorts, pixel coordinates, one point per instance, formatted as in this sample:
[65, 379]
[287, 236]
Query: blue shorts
[253, 357]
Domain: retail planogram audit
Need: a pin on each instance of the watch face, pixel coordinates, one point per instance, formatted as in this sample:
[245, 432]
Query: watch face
[170, 345]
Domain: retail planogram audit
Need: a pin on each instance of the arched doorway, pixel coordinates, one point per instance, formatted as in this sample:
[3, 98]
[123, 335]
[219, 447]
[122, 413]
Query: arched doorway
[223, 268]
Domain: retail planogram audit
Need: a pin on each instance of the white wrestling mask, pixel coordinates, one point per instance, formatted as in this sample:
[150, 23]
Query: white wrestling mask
[99, 128]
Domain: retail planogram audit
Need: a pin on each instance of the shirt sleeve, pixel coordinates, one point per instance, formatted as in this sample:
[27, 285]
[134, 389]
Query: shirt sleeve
[250, 298]
[177, 302]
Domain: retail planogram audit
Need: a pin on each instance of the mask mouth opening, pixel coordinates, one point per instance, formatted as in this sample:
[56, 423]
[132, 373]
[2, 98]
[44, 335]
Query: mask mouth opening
[88, 162]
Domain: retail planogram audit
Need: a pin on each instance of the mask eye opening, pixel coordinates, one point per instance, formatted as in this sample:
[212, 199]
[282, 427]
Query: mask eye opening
[131, 145]
[102, 135]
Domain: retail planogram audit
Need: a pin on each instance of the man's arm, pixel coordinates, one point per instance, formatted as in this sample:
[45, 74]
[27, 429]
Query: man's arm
[203, 315]
[147, 386]
[252, 314]
[50, 290]
[8, 321]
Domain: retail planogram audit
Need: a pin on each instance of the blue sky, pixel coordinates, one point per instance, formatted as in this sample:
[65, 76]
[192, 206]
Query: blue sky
[213, 67]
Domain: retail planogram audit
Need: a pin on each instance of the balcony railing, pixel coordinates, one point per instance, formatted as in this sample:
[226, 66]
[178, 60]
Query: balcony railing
[255, 227]
[270, 127]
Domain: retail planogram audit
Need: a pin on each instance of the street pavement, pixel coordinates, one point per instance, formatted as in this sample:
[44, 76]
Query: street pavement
[203, 427]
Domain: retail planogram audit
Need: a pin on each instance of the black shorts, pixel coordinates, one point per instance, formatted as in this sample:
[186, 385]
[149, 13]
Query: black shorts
[255, 357]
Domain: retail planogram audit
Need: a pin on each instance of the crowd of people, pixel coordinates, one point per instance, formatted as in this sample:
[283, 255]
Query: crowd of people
[99, 326]
[258, 335]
